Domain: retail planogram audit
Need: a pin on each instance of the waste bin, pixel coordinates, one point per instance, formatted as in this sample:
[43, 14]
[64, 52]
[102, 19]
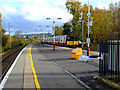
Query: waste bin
[76, 53]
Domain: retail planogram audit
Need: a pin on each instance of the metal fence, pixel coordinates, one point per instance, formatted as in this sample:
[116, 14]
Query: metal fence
[109, 63]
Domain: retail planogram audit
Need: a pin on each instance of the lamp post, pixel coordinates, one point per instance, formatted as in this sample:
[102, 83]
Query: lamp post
[81, 21]
[47, 35]
[35, 29]
[43, 35]
[36, 34]
[54, 30]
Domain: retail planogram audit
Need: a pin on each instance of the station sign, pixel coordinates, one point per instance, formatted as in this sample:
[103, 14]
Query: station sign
[88, 40]
[89, 30]
[90, 22]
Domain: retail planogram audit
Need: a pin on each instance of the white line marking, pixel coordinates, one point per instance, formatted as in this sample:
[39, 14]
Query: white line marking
[10, 70]
[73, 76]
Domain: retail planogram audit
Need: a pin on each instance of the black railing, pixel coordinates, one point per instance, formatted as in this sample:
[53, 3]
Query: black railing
[109, 63]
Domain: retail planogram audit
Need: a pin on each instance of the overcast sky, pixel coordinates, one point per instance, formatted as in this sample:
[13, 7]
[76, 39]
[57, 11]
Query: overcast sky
[27, 15]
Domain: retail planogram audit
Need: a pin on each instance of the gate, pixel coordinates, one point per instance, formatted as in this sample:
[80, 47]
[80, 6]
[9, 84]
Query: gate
[109, 63]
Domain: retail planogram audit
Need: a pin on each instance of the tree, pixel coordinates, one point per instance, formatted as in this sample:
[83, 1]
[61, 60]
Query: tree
[18, 39]
[114, 14]
[0, 35]
[58, 30]
[18, 33]
[105, 21]
[4, 38]
[66, 29]
[74, 8]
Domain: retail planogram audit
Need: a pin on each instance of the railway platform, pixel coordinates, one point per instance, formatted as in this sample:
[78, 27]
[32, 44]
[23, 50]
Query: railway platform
[20, 73]
[42, 67]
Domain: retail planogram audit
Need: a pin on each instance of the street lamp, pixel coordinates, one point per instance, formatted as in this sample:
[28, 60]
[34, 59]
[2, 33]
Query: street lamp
[81, 21]
[54, 30]
[47, 35]
[37, 35]
[43, 35]
[36, 30]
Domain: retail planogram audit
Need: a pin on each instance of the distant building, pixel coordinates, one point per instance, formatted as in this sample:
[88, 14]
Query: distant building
[32, 35]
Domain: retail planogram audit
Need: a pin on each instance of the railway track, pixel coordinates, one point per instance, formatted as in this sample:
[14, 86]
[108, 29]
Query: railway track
[7, 61]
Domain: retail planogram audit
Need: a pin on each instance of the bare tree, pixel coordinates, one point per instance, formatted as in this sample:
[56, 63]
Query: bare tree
[18, 33]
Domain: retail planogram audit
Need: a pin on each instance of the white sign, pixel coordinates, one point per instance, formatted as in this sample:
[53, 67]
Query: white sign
[88, 40]
[119, 4]
[89, 30]
[90, 22]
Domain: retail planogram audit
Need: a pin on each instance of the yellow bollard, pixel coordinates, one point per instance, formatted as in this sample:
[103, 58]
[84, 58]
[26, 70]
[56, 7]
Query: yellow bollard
[73, 53]
[76, 53]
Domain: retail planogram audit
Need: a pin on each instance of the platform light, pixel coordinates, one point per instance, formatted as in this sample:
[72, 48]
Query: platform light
[54, 29]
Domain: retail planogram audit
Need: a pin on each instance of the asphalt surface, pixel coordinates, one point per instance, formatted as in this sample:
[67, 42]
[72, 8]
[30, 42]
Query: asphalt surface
[51, 67]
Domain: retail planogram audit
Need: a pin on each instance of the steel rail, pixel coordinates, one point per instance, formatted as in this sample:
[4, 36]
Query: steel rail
[3, 74]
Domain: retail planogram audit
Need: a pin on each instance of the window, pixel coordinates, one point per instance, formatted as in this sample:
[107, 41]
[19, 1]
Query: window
[76, 38]
[72, 38]
[68, 38]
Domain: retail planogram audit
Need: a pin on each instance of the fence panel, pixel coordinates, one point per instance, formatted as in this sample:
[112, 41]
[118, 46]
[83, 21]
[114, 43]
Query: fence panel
[109, 63]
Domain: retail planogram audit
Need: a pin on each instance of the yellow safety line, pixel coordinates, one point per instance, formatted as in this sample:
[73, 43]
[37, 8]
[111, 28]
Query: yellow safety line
[65, 48]
[93, 52]
[34, 73]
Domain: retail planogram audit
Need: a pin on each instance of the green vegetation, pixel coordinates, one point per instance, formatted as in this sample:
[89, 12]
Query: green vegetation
[67, 29]
[105, 25]
[0, 35]
[58, 30]
[105, 22]
[16, 40]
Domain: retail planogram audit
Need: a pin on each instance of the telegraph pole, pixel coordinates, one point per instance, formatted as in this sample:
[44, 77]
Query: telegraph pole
[9, 37]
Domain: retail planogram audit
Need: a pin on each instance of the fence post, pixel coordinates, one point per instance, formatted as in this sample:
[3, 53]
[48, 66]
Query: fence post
[118, 59]
[100, 59]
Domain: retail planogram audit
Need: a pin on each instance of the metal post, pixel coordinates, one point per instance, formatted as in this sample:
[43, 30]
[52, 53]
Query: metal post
[88, 49]
[43, 38]
[40, 41]
[9, 37]
[82, 34]
[25, 38]
[54, 34]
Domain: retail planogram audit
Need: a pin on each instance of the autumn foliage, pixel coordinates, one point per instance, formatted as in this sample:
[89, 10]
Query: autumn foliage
[105, 21]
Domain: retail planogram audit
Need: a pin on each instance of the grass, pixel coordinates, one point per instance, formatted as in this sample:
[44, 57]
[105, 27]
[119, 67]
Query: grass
[9, 50]
[110, 83]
